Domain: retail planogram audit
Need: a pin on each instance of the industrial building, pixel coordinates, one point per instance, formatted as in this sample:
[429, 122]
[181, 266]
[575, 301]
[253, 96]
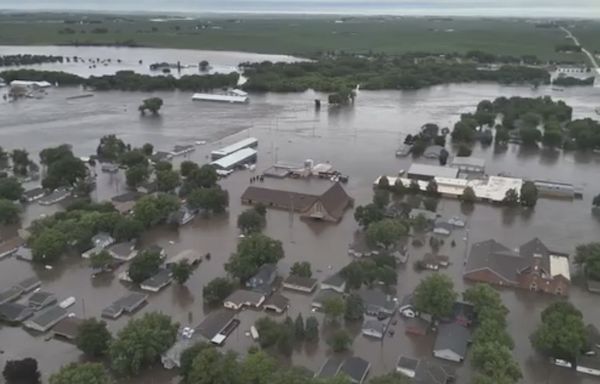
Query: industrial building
[236, 159]
[250, 142]
[429, 172]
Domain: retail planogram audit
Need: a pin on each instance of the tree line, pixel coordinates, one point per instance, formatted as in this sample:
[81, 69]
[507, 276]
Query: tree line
[28, 59]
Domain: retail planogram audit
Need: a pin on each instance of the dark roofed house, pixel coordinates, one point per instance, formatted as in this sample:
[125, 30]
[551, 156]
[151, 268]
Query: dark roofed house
[14, 313]
[356, 369]
[124, 251]
[11, 294]
[335, 282]
[277, 303]
[215, 323]
[29, 284]
[533, 267]
[41, 300]
[46, 319]
[58, 195]
[374, 328]
[330, 368]
[34, 194]
[67, 328]
[244, 298]
[263, 279]
[377, 303]
[451, 342]
[328, 206]
[300, 283]
[407, 366]
[158, 281]
[125, 202]
[10, 246]
[128, 303]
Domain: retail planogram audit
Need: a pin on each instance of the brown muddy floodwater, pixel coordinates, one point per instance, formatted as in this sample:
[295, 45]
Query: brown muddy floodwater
[359, 141]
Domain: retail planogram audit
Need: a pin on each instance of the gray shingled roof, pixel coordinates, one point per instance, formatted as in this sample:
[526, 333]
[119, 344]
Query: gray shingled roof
[278, 301]
[535, 249]
[335, 280]
[356, 368]
[14, 312]
[215, 322]
[452, 336]
[306, 282]
[377, 299]
[330, 368]
[428, 372]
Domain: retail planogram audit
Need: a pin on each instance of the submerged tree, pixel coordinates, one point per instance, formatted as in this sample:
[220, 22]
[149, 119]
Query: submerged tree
[152, 104]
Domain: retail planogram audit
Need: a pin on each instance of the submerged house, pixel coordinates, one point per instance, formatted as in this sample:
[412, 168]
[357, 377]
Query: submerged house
[533, 266]
[123, 251]
[328, 206]
[244, 298]
[300, 284]
[451, 342]
[263, 280]
[354, 368]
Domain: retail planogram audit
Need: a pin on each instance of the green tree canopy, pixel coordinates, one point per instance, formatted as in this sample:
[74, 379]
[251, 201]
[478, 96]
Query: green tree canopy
[137, 175]
[495, 360]
[511, 198]
[588, 256]
[340, 340]
[111, 148]
[152, 104]
[301, 268]
[217, 290]
[10, 188]
[354, 308]
[141, 342]
[213, 199]
[385, 232]
[252, 252]
[152, 210]
[529, 194]
[23, 371]
[435, 295]
[9, 212]
[144, 265]
[468, 196]
[250, 221]
[334, 308]
[370, 213]
[93, 338]
[182, 271]
[167, 180]
[49, 246]
[311, 332]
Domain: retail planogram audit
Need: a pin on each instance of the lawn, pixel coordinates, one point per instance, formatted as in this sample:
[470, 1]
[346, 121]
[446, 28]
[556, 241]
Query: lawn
[301, 35]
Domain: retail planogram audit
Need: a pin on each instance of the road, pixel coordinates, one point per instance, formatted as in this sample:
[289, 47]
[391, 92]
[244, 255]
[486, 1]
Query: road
[589, 55]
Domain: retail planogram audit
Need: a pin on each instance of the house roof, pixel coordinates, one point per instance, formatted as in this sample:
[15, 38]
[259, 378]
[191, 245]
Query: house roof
[589, 362]
[334, 200]
[468, 161]
[29, 284]
[241, 296]
[10, 294]
[160, 279]
[432, 170]
[428, 372]
[374, 324]
[377, 298]
[453, 337]
[31, 193]
[15, 312]
[41, 297]
[535, 249]
[132, 300]
[305, 282]
[407, 363]
[190, 255]
[356, 368]
[496, 257]
[102, 237]
[126, 197]
[278, 301]
[215, 322]
[336, 280]
[330, 368]
[265, 272]
[123, 248]
[433, 151]
[48, 316]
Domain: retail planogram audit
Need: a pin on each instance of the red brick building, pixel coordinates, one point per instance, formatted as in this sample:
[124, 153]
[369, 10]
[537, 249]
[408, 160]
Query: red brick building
[533, 266]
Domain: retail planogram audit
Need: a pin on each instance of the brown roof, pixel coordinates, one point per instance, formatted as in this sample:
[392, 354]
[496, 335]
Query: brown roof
[334, 200]
[10, 244]
[67, 327]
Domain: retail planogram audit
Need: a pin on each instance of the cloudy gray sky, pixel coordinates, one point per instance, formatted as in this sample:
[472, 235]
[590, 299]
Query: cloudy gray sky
[525, 8]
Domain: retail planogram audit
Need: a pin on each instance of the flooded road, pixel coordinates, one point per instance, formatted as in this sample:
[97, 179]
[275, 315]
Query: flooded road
[359, 141]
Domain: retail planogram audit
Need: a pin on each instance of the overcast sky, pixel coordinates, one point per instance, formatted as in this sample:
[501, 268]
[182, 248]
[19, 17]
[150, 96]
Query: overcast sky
[524, 8]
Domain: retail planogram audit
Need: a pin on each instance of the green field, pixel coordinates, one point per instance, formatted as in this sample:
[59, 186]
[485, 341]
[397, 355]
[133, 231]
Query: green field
[301, 35]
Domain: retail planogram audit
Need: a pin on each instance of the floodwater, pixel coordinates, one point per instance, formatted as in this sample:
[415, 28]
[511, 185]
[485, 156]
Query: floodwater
[97, 61]
[360, 141]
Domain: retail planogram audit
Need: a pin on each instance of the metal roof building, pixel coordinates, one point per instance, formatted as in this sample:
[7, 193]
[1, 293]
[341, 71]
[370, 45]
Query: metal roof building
[249, 142]
[429, 172]
[243, 156]
[46, 319]
[469, 164]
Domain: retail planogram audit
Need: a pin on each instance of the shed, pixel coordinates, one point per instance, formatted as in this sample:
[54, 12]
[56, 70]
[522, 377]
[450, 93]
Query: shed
[299, 283]
[451, 342]
[67, 328]
[407, 366]
[46, 319]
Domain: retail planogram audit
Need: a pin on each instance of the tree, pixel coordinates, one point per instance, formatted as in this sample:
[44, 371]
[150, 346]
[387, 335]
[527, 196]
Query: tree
[435, 295]
[85, 373]
[10, 188]
[301, 268]
[188, 356]
[152, 210]
[596, 201]
[141, 343]
[354, 308]
[127, 228]
[144, 266]
[212, 367]
[182, 271]
[432, 188]
[285, 342]
[252, 252]
[562, 333]
[152, 104]
[250, 221]
[414, 187]
[552, 138]
[134, 157]
[257, 368]
[93, 338]
[398, 188]
[269, 331]
[187, 168]
[299, 332]
[385, 232]
[468, 196]
[365, 215]
[217, 290]
[383, 183]
[148, 150]
[444, 154]
[588, 256]
[529, 135]
[20, 159]
[167, 181]
[334, 308]
[381, 198]
[311, 333]
[9, 212]
[511, 198]
[163, 166]
[420, 223]
[464, 150]
[110, 148]
[340, 340]
[430, 204]
[483, 296]
[64, 172]
[137, 175]
[49, 246]
[21, 371]
[495, 360]
[529, 194]
[101, 260]
[390, 378]
[502, 135]
[203, 177]
[213, 199]
[203, 65]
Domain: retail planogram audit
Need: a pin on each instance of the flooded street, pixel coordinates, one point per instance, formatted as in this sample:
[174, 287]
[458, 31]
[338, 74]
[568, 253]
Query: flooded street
[359, 141]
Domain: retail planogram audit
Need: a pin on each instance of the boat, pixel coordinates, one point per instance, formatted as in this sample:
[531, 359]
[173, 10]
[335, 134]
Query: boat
[234, 96]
